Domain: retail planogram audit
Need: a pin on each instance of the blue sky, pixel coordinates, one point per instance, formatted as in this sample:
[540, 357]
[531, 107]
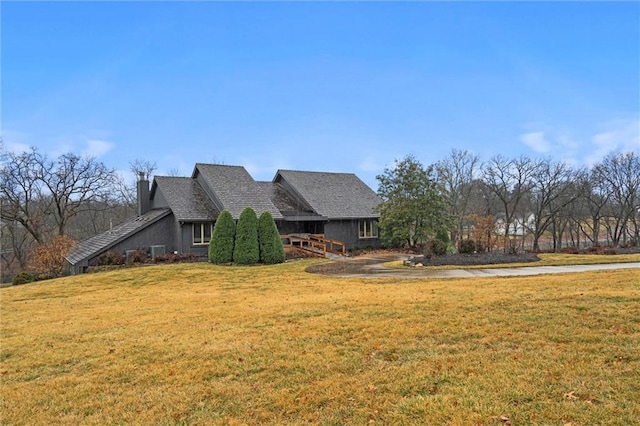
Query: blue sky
[333, 86]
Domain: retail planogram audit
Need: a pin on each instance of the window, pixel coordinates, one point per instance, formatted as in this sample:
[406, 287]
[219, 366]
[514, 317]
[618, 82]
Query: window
[202, 233]
[369, 228]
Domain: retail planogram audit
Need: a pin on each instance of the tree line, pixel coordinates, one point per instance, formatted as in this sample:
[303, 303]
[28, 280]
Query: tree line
[49, 202]
[44, 201]
[511, 202]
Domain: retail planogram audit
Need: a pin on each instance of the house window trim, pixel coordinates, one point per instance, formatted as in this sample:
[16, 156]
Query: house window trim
[370, 230]
[203, 236]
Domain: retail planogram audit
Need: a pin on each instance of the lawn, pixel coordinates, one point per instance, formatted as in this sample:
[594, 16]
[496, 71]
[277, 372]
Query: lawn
[203, 344]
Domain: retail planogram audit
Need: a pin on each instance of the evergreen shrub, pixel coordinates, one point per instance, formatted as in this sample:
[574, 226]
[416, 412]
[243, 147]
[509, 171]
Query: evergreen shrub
[437, 247]
[222, 239]
[270, 243]
[24, 278]
[443, 236]
[466, 246]
[246, 250]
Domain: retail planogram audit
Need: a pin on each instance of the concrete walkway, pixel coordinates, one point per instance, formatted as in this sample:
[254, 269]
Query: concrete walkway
[378, 270]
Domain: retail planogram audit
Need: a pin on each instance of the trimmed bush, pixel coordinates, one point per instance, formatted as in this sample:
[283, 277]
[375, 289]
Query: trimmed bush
[270, 243]
[246, 250]
[569, 250]
[222, 240]
[110, 258]
[438, 247]
[466, 246]
[137, 256]
[434, 247]
[23, 278]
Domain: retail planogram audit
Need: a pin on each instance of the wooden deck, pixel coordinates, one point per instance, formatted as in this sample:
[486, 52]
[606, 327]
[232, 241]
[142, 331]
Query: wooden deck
[314, 245]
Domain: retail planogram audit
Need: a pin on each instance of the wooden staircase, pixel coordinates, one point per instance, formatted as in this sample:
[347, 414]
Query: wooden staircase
[315, 245]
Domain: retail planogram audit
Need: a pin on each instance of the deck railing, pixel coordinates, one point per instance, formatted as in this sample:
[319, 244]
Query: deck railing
[315, 244]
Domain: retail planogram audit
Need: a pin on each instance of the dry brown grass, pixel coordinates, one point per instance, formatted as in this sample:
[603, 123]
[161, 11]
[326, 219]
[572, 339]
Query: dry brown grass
[200, 344]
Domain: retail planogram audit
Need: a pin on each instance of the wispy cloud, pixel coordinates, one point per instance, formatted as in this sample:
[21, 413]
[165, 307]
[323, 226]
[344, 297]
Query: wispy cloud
[264, 171]
[15, 142]
[97, 148]
[370, 164]
[589, 147]
[16, 147]
[536, 141]
[618, 135]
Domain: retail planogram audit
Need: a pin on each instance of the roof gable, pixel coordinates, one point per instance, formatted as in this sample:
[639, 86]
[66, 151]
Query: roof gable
[233, 189]
[289, 205]
[334, 195]
[186, 198]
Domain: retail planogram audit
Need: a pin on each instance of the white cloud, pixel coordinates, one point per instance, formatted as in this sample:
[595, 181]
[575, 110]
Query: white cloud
[587, 146]
[617, 135]
[96, 148]
[536, 141]
[16, 147]
[370, 164]
[15, 142]
[263, 171]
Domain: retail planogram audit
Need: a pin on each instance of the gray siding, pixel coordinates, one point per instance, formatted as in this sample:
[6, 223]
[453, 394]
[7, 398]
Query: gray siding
[159, 201]
[187, 246]
[159, 233]
[299, 227]
[348, 232]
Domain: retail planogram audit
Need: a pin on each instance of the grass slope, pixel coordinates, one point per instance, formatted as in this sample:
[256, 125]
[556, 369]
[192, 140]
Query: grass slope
[203, 344]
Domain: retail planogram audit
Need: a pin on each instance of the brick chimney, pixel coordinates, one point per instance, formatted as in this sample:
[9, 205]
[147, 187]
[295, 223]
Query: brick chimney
[143, 194]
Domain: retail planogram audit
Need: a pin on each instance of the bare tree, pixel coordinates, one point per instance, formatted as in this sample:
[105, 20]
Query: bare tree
[456, 174]
[552, 190]
[15, 245]
[24, 196]
[619, 175]
[510, 181]
[146, 167]
[40, 197]
[594, 203]
[76, 184]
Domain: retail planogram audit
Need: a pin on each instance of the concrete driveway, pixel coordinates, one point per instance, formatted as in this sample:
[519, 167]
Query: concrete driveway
[378, 270]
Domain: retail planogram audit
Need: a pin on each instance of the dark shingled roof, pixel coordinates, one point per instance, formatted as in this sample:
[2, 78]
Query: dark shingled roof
[185, 198]
[334, 195]
[235, 189]
[106, 240]
[287, 205]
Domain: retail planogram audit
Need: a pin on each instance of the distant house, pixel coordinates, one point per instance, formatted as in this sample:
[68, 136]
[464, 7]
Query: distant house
[177, 214]
[520, 225]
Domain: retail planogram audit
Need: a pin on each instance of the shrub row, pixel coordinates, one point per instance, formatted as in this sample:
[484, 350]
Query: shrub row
[175, 258]
[253, 240]
[111, 258]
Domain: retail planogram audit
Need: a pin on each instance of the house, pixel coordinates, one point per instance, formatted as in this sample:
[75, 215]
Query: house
[177, 214]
